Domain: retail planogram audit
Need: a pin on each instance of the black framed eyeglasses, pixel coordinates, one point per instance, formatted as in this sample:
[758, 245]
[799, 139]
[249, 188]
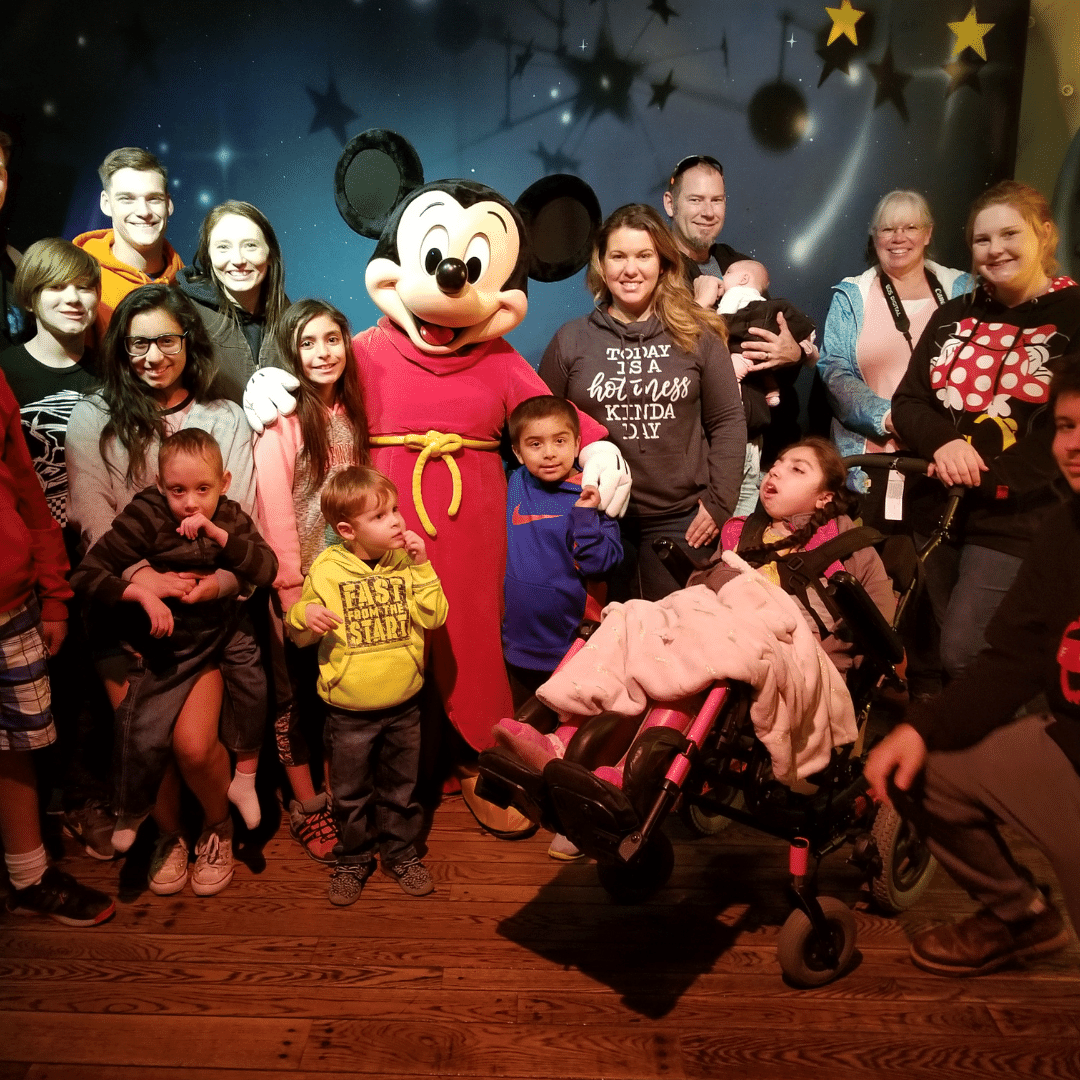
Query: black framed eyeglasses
[692, 160]
[168, 344]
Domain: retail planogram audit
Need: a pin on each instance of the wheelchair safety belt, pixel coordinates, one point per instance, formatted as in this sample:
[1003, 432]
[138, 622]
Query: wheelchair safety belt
[802, 570]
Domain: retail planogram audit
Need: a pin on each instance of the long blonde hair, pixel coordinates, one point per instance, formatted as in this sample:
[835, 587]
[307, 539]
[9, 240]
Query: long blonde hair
[672, 301]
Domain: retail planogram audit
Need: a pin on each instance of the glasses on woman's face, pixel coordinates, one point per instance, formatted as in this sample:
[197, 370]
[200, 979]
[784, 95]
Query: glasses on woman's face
[910, 231]
[168, 344]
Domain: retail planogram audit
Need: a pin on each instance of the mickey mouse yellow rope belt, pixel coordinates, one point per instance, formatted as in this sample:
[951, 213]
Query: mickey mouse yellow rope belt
[434, 444]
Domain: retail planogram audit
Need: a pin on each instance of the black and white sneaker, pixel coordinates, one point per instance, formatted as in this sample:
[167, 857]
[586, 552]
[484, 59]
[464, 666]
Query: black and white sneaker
[412, 875]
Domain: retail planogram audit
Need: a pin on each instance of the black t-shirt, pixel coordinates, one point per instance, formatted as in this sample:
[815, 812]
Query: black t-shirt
[46, 397]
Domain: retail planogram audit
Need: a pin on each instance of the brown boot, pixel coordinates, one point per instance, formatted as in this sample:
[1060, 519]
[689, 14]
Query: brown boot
[984, 942]
[508, 824]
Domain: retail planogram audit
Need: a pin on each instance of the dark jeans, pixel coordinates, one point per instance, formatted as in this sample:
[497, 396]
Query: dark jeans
[159, 683]
[966, 584]
[1017, 775]
[641, 574]
[374, 762]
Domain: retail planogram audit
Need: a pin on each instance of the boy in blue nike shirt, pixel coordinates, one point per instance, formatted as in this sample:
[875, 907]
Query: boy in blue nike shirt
[556, 537]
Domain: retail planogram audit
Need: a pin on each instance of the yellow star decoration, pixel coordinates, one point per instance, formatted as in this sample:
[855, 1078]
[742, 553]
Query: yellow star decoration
[969, 35]
[844, 19]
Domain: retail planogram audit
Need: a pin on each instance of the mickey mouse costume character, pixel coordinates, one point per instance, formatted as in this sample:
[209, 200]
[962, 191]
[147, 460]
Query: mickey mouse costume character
[450, 272]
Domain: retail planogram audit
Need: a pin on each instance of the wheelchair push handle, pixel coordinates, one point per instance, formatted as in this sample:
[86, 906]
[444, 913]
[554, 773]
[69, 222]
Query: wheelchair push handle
[910, 465]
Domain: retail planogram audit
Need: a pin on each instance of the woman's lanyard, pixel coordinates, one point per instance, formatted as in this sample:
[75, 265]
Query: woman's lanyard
[896, 307]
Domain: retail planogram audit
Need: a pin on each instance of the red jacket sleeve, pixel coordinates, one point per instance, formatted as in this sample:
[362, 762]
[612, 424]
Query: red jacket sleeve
[32, 556]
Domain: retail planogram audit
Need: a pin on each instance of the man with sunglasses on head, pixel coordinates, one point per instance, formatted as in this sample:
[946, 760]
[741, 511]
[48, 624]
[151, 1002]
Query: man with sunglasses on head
[134, 252]
[696, 203]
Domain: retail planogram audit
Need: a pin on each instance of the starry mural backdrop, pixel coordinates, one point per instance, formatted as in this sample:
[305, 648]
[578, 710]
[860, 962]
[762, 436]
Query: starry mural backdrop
[816, 111]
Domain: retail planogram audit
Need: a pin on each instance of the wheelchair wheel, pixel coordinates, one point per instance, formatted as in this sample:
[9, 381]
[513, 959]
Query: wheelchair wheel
[799, 949]
[906, 863]
[635, 882]
[703, 822]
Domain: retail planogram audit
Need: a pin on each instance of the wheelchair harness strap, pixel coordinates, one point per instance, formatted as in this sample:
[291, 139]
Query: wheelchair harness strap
[802, 570]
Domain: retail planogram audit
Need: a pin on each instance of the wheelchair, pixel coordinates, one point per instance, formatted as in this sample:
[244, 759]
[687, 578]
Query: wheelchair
[620, 777]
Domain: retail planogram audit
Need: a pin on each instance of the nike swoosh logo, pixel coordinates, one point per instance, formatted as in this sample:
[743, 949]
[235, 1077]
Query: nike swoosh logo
[518, 518]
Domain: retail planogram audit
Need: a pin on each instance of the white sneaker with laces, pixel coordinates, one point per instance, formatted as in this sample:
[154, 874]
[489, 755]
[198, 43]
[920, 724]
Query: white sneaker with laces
[213, 860]
[168, 872]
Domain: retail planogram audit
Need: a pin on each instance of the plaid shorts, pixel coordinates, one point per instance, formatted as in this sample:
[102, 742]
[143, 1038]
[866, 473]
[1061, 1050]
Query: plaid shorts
[25, 716]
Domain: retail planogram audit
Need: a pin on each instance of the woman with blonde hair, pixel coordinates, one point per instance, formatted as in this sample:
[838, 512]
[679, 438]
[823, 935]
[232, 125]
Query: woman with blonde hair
[653, 367]
[975, 401]
[876, 318]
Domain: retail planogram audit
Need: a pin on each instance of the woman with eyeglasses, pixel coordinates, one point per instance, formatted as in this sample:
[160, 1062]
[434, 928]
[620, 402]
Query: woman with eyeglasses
[156, 368]
[975, 399]
[157, 371]
[875, 320]
[237, 282]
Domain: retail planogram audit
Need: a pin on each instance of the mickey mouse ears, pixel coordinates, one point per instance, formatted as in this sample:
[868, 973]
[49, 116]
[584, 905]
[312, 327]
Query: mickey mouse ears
[561, 215]
[377, 169]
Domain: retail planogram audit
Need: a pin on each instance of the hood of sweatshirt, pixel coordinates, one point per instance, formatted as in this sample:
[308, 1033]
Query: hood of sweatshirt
[636, 332]
[197, 287]
[99, 243]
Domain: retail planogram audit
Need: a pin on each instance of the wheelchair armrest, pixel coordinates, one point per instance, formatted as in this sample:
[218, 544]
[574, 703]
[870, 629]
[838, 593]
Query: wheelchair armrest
[679, 564]
[871, 630]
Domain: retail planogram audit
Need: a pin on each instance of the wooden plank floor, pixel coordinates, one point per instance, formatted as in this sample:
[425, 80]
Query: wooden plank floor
[516, 967]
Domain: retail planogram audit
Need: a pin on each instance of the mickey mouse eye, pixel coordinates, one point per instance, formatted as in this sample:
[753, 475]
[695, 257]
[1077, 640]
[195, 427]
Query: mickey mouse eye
[433, 246]
[477, 258]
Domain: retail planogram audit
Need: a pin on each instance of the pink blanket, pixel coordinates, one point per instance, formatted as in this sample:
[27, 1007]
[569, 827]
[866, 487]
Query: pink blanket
[750, 631]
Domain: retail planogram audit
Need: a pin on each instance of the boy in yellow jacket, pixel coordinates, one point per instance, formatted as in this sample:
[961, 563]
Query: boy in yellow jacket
[369, 601]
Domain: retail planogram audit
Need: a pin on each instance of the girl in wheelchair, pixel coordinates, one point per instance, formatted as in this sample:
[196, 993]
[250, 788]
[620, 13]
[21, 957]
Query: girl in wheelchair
[804, 507]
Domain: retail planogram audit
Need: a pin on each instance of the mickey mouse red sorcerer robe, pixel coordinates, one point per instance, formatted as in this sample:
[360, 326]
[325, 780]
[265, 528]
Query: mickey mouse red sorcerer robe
[470, 394]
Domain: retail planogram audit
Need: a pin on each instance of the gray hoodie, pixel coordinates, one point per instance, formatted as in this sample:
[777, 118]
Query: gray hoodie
[676, 417]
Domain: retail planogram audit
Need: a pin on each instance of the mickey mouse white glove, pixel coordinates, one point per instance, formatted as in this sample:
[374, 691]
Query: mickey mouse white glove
[267, 396]
[603, 467]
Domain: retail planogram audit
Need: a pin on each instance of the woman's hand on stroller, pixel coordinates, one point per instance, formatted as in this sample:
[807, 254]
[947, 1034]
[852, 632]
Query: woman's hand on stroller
[900, 757]
[958, 463]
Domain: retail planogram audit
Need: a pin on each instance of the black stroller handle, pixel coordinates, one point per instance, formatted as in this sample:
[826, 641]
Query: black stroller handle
[906, 464]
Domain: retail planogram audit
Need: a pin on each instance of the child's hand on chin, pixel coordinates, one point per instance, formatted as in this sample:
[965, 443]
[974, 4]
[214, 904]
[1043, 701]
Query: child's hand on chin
[590, 497]
[415, 548]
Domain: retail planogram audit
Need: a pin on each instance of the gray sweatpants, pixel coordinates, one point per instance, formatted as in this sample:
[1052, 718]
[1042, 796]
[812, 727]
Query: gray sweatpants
[1018, 776]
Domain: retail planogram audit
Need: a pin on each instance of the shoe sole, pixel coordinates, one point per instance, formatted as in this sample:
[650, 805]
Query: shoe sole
[67, 920]
[328, 861]
[170, 888]
[86, 846]
[562, 856]
[345, 903]
[1043, 948]
[500, 834]
[212, 888]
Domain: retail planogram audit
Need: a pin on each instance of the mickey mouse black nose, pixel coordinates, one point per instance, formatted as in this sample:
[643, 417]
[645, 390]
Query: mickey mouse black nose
[451, 275]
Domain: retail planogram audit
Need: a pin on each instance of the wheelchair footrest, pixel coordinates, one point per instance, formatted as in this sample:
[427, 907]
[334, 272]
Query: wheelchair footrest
[506, 780]
[594, 814]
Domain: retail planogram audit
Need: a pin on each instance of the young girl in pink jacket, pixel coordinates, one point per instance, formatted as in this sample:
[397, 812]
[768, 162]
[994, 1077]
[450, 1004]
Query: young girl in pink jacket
[294, 459]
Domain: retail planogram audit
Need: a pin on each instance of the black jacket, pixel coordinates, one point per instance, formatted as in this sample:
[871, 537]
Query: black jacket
[1033, 647]
[981, 372]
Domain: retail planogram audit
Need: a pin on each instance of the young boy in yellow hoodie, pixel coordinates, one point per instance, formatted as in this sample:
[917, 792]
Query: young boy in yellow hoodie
[368, 601]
